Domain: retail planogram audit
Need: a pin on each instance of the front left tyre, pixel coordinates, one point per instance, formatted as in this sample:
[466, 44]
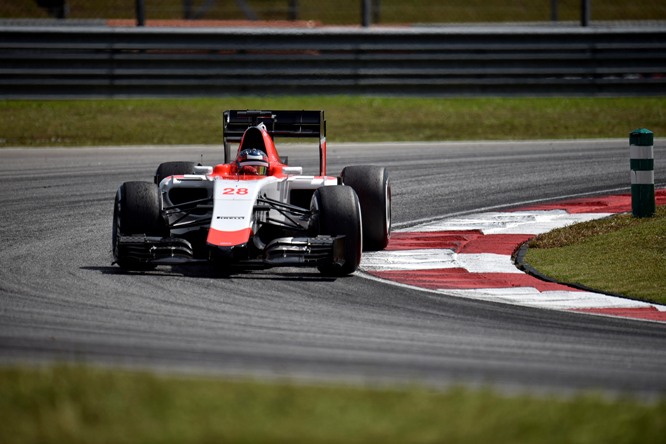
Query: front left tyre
[136, 212]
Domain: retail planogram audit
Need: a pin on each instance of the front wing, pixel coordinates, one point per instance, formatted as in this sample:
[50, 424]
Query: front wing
[285, 251]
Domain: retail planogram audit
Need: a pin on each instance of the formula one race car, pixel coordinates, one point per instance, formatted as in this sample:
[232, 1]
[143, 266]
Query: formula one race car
[254, 209]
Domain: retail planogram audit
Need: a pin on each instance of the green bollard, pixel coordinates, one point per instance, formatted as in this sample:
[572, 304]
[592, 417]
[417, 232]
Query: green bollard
[641, 149]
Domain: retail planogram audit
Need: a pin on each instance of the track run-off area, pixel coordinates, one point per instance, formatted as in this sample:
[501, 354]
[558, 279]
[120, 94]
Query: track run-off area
[62, 300]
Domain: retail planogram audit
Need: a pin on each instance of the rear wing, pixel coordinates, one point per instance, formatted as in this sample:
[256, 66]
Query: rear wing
[298, 124]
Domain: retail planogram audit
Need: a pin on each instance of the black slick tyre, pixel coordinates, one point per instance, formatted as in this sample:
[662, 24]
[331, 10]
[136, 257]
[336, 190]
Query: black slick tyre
[337, 212]
[137, 211]
[373, 187]
[167, 169]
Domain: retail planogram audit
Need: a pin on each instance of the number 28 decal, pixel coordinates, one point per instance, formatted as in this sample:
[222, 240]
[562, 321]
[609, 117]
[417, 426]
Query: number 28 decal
[236, 191]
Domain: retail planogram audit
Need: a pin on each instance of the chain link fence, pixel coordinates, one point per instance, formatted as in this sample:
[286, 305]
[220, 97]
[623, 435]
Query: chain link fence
[341, 12]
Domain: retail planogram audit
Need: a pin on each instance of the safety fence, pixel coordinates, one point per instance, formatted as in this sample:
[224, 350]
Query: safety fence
[343, 12]
[444, 61]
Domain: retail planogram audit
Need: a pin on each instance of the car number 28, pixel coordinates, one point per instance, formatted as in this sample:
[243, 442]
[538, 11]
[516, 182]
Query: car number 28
[237, 191]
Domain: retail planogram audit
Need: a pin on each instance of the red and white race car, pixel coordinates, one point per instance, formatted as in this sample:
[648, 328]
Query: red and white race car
[254, 209]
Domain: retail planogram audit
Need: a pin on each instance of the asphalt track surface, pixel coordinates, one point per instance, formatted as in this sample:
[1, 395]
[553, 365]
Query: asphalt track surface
[61, 299]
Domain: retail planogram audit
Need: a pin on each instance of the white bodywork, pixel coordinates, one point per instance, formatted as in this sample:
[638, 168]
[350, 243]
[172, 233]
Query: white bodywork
[234, 217]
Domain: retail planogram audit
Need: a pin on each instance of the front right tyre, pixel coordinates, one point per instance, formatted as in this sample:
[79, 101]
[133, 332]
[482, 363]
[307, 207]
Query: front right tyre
[337, 212]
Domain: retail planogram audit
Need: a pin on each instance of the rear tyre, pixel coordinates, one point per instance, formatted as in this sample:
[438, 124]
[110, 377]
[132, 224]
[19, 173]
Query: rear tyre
[137, 211]
[337, 212]
[167, 169]
[373, 187]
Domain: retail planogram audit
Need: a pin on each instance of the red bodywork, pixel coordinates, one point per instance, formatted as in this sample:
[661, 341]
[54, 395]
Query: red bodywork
[259, 138]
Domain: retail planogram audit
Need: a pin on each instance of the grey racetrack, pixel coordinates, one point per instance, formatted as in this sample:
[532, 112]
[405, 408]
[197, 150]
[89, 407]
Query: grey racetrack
[61, 299]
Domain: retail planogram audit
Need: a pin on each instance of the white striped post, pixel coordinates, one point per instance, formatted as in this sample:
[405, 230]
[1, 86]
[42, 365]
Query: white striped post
[641, 147]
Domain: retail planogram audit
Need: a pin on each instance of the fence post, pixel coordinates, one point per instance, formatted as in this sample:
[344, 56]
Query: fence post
[140, 13]
[584, 12]
[366, 13]
[641, 150]
[553, 11]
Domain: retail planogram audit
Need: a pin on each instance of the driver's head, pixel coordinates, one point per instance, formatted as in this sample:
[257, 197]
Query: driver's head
[253, 162]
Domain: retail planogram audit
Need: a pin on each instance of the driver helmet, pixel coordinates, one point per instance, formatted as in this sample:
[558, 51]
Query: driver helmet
[253, 162]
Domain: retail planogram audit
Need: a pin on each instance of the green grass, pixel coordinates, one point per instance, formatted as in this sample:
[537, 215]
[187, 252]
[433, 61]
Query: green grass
[194, 121]
[348, 11]
[84, 405]
[620, 254]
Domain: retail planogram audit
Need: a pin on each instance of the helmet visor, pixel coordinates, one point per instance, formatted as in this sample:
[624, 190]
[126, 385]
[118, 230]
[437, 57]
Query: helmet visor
[252, 168]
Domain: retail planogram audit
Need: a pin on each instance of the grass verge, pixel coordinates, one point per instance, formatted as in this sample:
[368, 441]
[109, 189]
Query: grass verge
[358, 119]
[85, 405]
[620, 254]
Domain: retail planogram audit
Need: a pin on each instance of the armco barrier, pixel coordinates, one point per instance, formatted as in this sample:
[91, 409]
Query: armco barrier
[448, 61]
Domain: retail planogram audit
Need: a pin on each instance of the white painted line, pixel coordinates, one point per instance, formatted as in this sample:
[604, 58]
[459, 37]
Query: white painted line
[520, 222]
[558, 300]
[426, 259]
[523, 203]
[487, 263]
[432, 259]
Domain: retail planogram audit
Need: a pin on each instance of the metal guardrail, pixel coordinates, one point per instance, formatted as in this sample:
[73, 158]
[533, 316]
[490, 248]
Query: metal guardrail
[446, 61]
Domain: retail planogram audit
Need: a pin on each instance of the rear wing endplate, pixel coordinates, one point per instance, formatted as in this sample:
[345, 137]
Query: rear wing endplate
[297, 124]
